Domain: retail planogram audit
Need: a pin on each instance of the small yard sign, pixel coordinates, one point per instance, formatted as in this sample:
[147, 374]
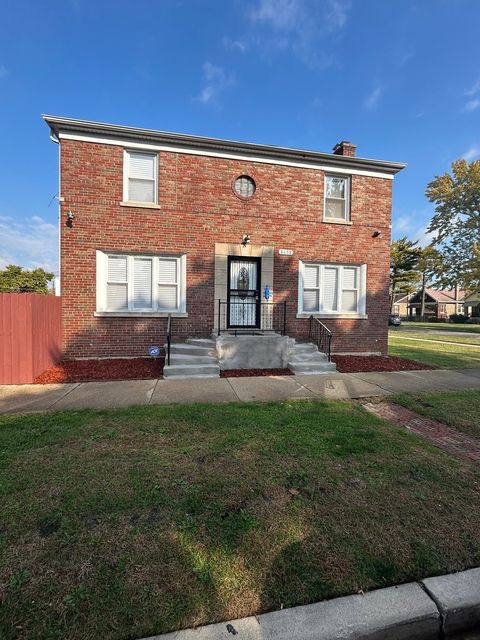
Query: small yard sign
[153, 351]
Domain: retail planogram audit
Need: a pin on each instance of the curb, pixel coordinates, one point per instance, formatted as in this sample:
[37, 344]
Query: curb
[430, 609]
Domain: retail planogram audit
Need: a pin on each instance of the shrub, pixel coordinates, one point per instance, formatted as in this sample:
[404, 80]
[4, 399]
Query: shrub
[458, 318]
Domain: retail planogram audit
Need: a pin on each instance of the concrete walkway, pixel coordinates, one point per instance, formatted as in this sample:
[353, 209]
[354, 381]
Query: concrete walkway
[336, 386]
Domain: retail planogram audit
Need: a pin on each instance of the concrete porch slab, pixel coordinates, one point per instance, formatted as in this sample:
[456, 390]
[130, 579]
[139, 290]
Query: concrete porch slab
[32, 397]
[171, 391]
[340, 386]
[108, 395]
[272, 388]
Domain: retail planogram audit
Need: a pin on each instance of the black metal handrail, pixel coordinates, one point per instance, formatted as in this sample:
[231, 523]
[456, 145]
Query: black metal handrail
[242, 316]
[322, 336]
[169, 336]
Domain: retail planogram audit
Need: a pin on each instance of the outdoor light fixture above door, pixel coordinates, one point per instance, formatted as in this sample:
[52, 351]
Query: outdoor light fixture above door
[245, 240]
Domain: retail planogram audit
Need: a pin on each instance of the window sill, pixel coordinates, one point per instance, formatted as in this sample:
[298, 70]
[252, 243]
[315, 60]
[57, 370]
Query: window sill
[139, 314]
[140, 205]
[334, 316]
[334, 221]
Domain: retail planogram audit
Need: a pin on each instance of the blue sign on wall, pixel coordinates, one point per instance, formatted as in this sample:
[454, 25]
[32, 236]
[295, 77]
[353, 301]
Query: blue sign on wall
[153, 351]
[266, 292]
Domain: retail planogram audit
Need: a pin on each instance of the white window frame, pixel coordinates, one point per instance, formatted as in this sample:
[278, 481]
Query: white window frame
[102, 274]
[346, 218]
[126, 177]
[339, 313]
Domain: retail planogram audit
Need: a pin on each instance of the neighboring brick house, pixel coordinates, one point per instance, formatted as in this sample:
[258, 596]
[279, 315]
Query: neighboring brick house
[400, 304]
[155, 223]
[439, 303]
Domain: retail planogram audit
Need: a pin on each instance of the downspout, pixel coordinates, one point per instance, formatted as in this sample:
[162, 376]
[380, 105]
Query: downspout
[54, 138]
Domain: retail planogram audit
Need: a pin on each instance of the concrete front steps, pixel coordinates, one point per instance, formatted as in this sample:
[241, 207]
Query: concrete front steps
[196, 358]
[305, 358]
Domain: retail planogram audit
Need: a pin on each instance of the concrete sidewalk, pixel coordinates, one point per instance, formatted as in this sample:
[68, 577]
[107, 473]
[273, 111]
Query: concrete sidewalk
[336, 386]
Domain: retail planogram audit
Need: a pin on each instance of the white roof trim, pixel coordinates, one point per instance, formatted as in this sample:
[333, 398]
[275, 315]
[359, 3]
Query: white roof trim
[128, 144]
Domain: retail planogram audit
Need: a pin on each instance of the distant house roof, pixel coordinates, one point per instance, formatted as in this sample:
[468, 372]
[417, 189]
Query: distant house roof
[401, 297]
[440, 295]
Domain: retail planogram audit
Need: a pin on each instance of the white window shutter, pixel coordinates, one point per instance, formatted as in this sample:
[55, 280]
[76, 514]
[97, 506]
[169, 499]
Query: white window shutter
[142, 283]
[330, 288]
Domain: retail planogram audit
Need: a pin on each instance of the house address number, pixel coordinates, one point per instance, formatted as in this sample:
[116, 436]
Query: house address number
[285, 252]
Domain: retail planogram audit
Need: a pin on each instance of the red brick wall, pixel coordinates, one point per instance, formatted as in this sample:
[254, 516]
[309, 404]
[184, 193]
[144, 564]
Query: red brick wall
[197, 209]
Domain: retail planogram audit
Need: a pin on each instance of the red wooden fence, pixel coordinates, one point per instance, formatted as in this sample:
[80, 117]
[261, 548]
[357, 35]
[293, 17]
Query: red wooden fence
[30, 335]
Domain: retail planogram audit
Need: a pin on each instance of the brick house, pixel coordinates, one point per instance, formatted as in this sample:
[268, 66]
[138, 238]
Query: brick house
[227, 238]
[439, 303]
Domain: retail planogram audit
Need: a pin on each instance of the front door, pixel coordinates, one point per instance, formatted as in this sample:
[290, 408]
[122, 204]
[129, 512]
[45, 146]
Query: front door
[243, 292]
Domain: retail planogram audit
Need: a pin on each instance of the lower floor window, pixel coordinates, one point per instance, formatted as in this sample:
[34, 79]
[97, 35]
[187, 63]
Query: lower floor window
[331, 288]
[140, 283]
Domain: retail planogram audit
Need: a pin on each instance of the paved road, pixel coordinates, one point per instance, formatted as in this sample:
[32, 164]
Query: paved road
[404, 327]
[336, 386]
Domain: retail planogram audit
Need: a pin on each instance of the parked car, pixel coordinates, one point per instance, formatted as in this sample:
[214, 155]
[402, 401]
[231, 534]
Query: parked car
[394, 320]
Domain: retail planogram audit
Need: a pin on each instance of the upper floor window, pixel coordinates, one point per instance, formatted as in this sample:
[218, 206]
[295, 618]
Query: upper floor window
[337, 198]
[140, 182]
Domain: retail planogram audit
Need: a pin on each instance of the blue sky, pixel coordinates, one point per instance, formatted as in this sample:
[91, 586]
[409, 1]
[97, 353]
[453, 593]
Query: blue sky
[399, 79]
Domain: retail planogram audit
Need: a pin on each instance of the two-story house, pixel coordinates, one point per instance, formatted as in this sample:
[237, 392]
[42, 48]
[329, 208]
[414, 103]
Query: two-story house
[219, 240]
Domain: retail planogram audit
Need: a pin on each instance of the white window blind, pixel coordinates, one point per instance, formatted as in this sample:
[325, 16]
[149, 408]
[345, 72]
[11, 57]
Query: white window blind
[140, 283]
[167, 283]
[330, 289]
[350, 289]
[141, 176]
[311, 291]
[117, 283]
[326, 288]
[337, 198]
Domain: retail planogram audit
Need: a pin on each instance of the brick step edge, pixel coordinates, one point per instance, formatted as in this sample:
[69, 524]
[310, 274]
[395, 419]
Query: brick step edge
[440, 607]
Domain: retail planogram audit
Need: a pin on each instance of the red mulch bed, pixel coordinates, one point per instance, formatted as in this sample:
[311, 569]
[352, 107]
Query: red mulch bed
[108, 369]
[245, 373]
[359, 364]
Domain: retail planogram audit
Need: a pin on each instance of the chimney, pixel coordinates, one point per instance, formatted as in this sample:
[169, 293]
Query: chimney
[345, 148]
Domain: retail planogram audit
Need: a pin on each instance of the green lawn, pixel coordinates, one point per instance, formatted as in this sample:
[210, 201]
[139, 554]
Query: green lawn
[436, 354]
[129, 523]
[459, 409]
[443, 326]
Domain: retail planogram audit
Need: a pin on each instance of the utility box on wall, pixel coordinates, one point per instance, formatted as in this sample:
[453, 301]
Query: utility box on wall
[30, 335]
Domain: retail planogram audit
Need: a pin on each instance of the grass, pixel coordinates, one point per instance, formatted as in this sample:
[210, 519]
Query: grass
[129, 523]
[443, 326]
[458, 409]
[433, 353]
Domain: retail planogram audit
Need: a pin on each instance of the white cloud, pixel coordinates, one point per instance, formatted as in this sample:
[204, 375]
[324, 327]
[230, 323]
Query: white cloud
[215, 81]
[303, 26]
[3, 72]
[472, 105]
[472, 154]
[422, 235]
[31, 242]
[474, 89]
[402, 224]
[371, 101]
[235, 45]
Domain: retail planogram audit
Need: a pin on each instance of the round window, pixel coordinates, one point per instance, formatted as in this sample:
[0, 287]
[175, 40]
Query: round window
[244, 186]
